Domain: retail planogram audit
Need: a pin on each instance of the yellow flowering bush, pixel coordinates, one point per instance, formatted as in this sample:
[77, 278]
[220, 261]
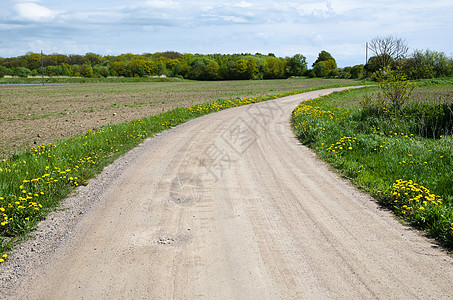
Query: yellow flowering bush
[422, 208]
[409, 196]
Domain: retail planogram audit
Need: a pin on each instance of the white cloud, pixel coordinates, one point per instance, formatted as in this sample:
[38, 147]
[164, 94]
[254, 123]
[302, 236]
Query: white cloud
[243, 4]
[160, 4]
[234, 19]
[317, 9]
[30, 11]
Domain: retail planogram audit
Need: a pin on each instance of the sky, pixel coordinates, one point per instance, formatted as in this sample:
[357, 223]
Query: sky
[285, 28]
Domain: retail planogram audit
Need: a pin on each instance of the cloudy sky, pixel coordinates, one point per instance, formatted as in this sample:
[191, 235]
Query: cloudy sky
[284, 28]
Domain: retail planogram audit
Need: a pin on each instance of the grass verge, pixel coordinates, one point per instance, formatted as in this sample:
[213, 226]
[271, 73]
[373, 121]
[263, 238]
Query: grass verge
[405, 171]
[33, 182]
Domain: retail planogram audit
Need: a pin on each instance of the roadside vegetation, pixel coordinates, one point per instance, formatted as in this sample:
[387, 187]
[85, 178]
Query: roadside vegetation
[34, 181]
[394, 141]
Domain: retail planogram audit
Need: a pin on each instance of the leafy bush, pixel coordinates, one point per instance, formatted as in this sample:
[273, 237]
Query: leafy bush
[20, 72]
[390, 109]
[394, 91]
[428, 64]
[4, 71]
[357, 71]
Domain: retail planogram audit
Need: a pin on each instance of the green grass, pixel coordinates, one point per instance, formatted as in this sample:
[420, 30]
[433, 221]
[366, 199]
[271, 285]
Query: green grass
[33, 182]
[405, 170]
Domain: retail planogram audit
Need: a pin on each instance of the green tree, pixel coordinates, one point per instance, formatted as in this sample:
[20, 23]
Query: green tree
[375, 63]
[119, 68]
[61, 70]
[325, 65]
[428, 64]
[212, 70]
[241, 70]
[275, 68]
[326, 68]
[50, 60]
[101, 71]
[356, 71]
[21, 71]
[176, 70]
[138, 67]
[14, 62]
[323, 56]
[199, 69]
[255, 65]
[33, 60]
[296, 65]
[93, 58]
[59, 59]
[252, 68]
[86, 71]
[171, 54]
[162, 69]
[320, 69]
[76, 59]
[4, 71]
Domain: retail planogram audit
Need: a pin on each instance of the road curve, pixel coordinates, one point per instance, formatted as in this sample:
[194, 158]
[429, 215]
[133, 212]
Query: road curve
[232, 206]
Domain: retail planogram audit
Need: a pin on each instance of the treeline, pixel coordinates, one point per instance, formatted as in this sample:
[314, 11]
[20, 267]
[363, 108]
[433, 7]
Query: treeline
[420, 64]
[173, 64]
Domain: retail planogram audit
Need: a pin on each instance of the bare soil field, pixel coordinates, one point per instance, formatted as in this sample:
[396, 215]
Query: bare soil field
[42, 114]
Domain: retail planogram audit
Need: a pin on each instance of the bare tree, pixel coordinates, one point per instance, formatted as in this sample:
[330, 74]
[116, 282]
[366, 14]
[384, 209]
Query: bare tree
[387, 49]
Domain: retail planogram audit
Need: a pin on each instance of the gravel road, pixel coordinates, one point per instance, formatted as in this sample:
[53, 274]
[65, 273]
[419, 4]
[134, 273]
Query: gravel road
[227, 206]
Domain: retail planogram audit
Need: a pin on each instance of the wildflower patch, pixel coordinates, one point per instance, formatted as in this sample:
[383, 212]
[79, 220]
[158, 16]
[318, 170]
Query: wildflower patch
[375, 155]
[408, 197]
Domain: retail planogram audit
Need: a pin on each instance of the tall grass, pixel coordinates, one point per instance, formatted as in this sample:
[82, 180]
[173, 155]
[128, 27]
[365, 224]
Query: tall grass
[407, 168]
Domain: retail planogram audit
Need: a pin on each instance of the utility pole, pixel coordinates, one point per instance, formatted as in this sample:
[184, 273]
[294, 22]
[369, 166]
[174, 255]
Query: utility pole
[366, 58]
[42, 68]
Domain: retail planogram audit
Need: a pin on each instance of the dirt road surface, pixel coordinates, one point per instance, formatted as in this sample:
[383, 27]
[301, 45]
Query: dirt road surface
[232, 206]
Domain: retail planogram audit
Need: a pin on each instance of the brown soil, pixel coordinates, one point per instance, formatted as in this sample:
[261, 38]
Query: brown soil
[32, 115]
[39, 115]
